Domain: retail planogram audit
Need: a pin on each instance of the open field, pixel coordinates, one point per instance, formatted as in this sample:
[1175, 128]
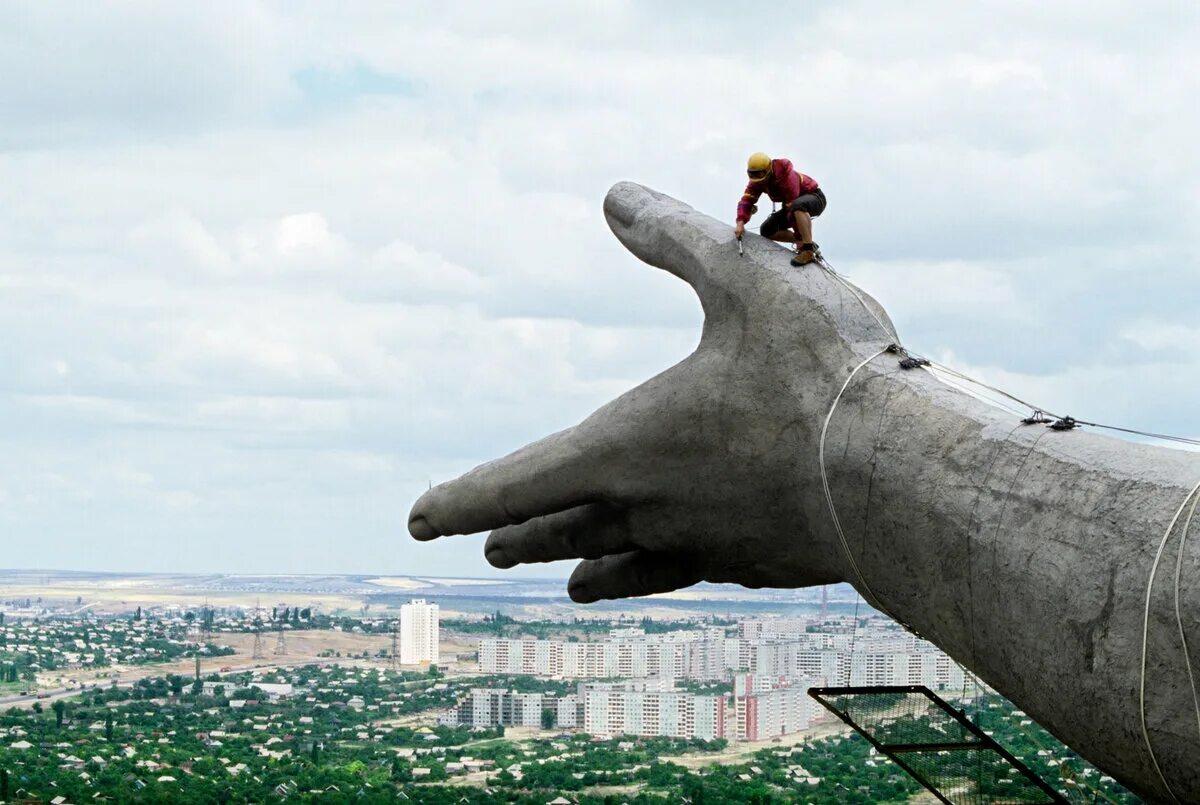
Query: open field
[303, 647]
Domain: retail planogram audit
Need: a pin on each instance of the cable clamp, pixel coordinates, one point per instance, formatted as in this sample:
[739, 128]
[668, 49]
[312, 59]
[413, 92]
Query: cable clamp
[1037, 418]
[1066, 423]
[908, 361]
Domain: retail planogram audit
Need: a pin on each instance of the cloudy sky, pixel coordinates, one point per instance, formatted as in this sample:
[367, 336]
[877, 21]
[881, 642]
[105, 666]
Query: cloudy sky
[267, 270]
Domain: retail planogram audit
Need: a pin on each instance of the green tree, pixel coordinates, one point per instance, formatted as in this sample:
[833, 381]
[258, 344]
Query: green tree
[108, 726]
[4, 785]
[316, 754]
[58, 707]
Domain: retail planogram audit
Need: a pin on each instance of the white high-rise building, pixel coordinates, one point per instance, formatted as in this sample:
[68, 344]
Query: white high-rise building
[419, 632]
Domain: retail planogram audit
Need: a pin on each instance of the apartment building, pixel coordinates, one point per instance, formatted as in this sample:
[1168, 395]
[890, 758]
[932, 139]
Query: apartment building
[776, 647]
[626, 653]
[770, 707]
[493, 707]
[650, 707]
[419, 632]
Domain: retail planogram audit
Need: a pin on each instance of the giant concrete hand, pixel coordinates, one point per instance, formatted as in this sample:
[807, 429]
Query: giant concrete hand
[1025, 553]
[703, 472]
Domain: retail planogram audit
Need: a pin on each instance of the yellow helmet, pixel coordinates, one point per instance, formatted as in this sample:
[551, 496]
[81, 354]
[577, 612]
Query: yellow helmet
[758, 166]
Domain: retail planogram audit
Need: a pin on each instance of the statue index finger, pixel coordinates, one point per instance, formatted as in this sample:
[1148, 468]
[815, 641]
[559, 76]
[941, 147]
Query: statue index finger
[550, 475]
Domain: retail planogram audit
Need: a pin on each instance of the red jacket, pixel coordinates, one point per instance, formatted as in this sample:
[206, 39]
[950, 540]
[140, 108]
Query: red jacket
[784, 184]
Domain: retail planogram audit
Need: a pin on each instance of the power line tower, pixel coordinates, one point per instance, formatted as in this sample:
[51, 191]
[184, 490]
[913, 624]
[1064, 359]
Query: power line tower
[395, 645]
[281, 643]
[258, 654]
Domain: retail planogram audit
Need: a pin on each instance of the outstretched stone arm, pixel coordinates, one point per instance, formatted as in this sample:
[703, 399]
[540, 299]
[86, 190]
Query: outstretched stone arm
[1023, 552]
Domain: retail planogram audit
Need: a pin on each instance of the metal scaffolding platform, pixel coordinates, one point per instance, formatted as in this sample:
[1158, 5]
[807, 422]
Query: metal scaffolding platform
[937, 745]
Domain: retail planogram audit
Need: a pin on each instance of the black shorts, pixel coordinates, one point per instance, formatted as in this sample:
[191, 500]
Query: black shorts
[812, 203]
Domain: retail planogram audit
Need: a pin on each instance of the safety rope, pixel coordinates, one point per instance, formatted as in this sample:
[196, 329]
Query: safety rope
[1187, 527]
[853, 640]
[971, 393]
[837, 523]
[1062, 423]
[1146, 634]
[829, 269]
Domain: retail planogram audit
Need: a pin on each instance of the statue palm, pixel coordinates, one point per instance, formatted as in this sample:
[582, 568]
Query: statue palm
[704, 472]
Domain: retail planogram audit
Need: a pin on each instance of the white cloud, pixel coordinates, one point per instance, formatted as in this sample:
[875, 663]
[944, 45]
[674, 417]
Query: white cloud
[420, 273]
[292, 312]
[949, 288]
[1151, 335]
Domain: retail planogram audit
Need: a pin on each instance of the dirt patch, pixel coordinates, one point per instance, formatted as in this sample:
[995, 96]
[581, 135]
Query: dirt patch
[303, 647]
[397, 582]
[741, 752]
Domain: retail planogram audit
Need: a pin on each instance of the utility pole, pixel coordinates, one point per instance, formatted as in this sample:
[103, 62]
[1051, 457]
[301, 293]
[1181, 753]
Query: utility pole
[206, 620]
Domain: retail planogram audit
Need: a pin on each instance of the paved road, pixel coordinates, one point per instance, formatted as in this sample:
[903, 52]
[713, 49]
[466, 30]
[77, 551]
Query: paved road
[40, 696]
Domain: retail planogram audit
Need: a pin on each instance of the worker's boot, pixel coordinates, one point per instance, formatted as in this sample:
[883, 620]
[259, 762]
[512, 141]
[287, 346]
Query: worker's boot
[805, 254]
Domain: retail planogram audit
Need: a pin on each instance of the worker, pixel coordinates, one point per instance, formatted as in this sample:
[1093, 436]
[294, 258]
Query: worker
[801, 197]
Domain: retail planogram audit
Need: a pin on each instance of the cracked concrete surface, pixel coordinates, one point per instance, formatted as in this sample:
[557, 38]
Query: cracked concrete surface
[1022, 552]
